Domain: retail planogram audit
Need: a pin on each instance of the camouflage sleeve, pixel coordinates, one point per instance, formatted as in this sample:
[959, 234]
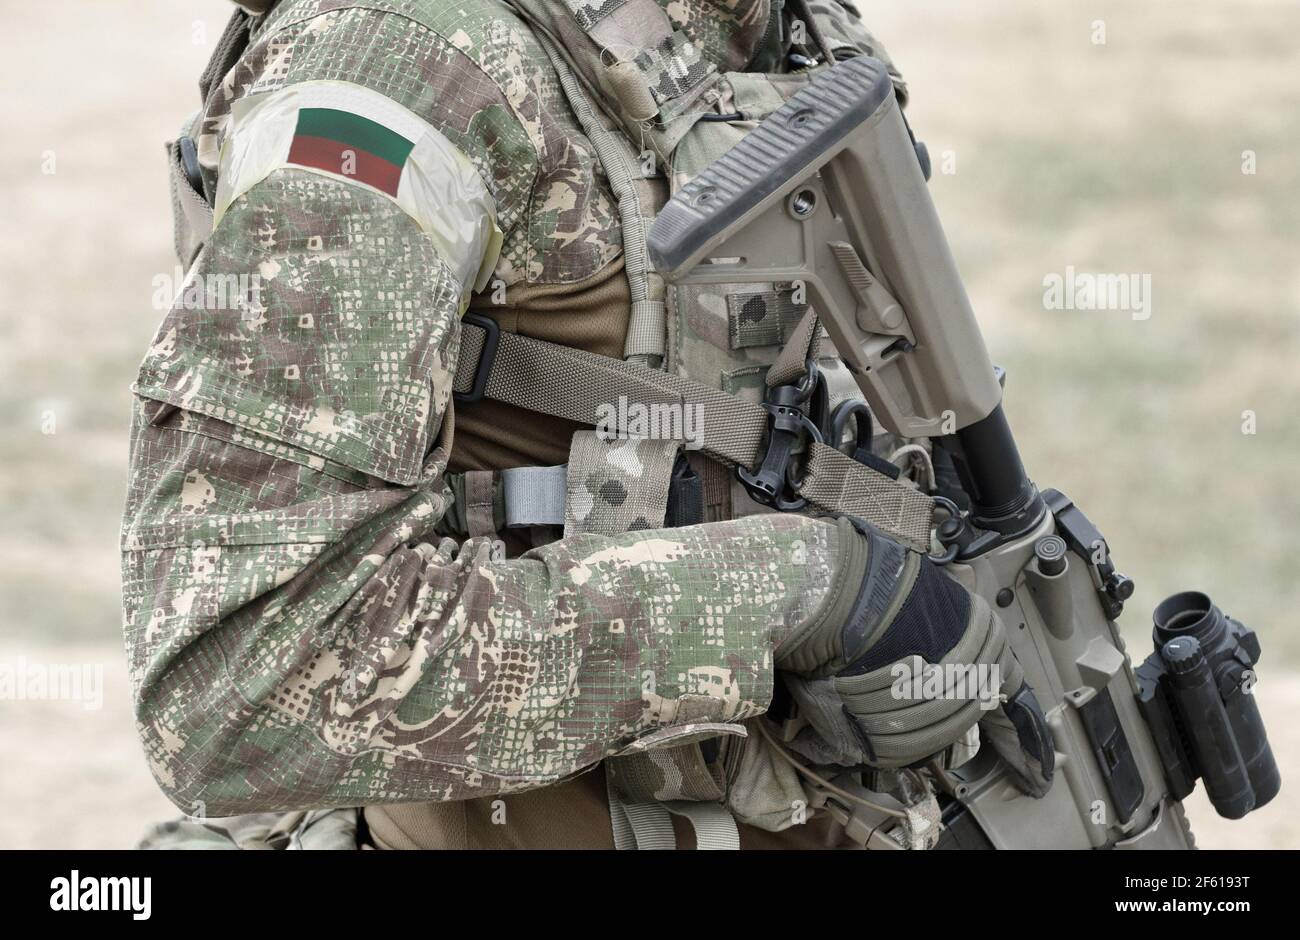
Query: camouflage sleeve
[841, 24]
[297, 635]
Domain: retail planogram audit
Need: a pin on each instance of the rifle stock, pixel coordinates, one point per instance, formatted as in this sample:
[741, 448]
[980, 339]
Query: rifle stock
[827, 192]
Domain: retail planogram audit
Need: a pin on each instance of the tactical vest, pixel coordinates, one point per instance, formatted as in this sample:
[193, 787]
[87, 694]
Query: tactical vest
[751, 360]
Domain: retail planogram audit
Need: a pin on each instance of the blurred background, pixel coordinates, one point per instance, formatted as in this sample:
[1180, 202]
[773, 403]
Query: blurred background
[1158, 138]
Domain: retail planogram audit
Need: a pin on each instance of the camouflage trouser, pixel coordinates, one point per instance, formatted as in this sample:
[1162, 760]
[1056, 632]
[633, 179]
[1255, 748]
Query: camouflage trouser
[318, 829]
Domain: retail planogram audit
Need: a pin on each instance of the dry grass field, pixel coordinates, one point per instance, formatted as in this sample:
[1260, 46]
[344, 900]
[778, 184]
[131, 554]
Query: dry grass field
[1122, 156]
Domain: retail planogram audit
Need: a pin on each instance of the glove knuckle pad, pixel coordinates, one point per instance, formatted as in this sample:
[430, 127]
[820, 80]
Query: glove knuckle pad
[931, 621]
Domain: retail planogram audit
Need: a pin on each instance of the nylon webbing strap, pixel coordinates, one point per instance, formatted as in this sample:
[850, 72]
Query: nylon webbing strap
[715, 827]
[643, 826]
[479, 512]
[792, 364]
[534, 495]
[520, 498]
[584, 387]
[645, 335]
[649, 827]
[231, 45]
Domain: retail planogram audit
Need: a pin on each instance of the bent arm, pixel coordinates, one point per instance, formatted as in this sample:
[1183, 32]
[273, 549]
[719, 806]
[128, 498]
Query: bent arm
[297, 635]
[373, 666]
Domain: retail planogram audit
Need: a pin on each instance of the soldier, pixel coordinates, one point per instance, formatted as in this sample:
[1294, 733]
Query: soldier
[340, 587]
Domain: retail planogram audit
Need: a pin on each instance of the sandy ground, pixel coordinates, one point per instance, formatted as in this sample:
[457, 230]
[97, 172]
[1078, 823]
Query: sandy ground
[1122, 156]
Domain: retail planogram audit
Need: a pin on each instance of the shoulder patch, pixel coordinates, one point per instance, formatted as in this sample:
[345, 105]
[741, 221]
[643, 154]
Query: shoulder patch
[475, 70]
[334, 141]
[366, 139]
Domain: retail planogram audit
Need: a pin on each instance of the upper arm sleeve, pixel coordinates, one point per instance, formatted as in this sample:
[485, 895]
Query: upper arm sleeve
[297, 635]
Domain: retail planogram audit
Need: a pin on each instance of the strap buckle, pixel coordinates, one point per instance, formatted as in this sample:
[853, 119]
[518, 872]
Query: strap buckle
[483, 370]
[788, 430]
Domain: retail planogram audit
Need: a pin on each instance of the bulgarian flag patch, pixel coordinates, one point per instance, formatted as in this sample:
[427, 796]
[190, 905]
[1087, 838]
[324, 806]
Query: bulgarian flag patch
[350, 145]
[358, 135]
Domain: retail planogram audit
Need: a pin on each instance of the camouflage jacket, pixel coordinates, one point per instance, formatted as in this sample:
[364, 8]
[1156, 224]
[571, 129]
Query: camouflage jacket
[298, 635]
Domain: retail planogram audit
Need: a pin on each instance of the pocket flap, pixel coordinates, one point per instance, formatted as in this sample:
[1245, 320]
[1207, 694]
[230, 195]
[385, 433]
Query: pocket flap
[347, 386]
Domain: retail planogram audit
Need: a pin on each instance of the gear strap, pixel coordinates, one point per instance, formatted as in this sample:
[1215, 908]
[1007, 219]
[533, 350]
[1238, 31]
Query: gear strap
[649, 826]
[191, 204]
[800, 349]
[584, 387]
[646, 327]
[229, 48]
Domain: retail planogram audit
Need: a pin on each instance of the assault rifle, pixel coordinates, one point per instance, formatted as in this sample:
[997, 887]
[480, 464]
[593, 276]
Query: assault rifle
[829, 192]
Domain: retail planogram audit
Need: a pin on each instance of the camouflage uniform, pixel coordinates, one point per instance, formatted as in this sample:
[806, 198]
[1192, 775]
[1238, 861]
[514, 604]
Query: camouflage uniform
[299, 634]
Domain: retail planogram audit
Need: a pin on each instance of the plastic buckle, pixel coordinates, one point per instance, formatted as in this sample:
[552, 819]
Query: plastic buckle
[788, 427]
[483, 370]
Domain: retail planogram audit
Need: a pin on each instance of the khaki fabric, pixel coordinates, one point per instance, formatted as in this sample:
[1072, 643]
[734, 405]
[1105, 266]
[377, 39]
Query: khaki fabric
[590, 315]
[571, 815]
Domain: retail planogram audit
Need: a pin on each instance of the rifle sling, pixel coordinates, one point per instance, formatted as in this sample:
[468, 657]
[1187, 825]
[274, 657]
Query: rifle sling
[583, 387]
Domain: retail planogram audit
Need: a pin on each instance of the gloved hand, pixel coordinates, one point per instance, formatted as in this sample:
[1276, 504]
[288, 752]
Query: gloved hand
[862, 670]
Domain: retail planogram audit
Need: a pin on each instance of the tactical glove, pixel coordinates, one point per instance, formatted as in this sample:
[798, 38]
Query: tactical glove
[903, 661]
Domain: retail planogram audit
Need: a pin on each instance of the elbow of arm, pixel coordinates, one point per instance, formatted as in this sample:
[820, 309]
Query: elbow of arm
[201, 745]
